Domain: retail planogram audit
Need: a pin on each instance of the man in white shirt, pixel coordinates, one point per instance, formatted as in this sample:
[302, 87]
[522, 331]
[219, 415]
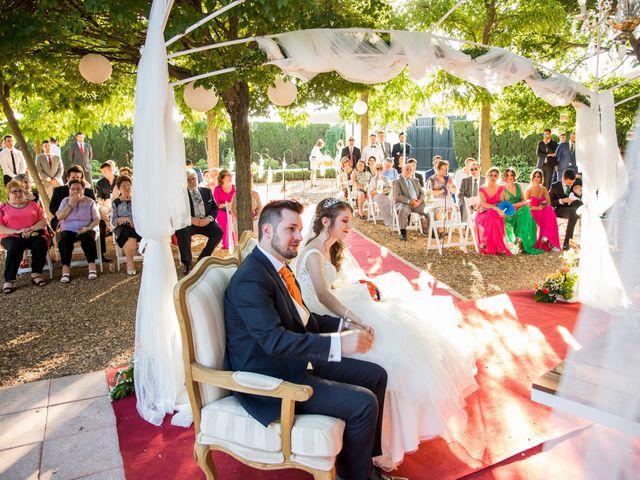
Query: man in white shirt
[12, 161]
[372, 150]
[463, 172]
[55, 149]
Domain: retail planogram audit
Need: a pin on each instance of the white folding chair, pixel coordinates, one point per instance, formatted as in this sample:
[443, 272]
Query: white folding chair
[471, 210]
[48, 265]
[77, 250]
[120, 256]
[229, 226]
[450, 221]
[372, 209]
[395, 222]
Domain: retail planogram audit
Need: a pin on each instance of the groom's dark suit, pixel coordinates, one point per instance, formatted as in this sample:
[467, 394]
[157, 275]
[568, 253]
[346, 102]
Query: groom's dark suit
[266, 335]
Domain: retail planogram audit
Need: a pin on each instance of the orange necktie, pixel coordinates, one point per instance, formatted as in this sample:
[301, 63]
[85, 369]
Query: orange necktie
[290, 282]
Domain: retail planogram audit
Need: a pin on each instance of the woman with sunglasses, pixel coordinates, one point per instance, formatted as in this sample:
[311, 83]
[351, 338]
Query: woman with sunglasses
[521, 228]
[490, 219]
[543, 213]
[22, 224]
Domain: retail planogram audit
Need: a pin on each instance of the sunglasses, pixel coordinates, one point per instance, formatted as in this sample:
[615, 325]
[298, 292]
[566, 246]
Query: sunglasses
[17, 192]
[474, 169]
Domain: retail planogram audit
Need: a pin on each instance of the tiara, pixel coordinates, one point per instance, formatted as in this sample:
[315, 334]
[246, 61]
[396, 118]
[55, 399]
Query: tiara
[330, 202]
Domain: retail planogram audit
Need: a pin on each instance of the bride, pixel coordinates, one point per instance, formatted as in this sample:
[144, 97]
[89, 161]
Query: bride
[428, 358]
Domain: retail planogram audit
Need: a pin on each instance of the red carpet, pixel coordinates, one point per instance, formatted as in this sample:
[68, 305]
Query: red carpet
[517, 341]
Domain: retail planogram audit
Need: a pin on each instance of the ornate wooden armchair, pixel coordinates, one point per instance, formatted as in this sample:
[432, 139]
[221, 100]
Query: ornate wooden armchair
[248, 241]
[306, 442]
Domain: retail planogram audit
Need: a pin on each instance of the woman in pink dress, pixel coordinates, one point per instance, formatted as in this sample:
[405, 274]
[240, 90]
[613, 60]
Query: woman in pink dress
[223, 194]
[543, 213]
[490, 219]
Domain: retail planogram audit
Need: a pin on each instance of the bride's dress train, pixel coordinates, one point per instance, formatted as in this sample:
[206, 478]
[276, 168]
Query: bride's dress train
[429, 360]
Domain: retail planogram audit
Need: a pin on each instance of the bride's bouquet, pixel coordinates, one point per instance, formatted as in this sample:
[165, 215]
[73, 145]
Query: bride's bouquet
[373, 290]
[560, 285]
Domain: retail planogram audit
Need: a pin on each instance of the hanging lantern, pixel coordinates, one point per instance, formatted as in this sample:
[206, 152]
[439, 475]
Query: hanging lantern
[283, 92]
[199, 99]
[95, 68]
[564, 117]
[404, 105]
[360, 107]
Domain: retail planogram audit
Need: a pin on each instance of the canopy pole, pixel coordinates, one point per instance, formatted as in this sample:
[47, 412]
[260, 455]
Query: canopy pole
[203, 21]
[446, 15]
[203, 75]
[209, 47]
[632, 97]
[167, 12]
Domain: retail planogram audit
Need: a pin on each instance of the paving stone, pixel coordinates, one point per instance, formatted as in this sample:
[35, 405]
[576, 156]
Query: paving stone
[115, 474]
[22, 428]
[24, 397]
[81, 416]
[78, 387]
[21, 462]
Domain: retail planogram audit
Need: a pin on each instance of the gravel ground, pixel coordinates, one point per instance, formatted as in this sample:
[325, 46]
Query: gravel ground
[87, 325]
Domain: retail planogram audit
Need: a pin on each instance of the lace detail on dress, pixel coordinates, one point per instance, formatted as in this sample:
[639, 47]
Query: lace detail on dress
[306, 285]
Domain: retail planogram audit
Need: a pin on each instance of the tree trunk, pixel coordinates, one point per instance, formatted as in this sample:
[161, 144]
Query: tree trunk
[484, 151]
[213, 146]
[236, 100]
[17, 132]
[364, 123]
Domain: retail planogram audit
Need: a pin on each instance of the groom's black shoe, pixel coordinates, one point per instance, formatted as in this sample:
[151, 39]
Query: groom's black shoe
[403, 235]
[377, 474]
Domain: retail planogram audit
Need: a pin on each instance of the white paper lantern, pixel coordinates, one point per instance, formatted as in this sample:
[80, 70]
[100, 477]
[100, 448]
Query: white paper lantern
[199, 98]
[360, 107]
[95, 68]
[282, 92]
[404, 105]
[564, 117]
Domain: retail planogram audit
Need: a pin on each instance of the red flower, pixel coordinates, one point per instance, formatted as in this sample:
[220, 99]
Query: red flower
[565, 269]
[545, 291]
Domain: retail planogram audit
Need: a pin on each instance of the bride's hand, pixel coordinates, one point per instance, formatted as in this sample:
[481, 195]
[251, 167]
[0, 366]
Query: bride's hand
[363, 326]
[355, 341]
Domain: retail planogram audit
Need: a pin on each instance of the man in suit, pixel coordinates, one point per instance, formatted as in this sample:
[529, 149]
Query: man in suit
[352, 152]
[470, 186]
[432, 171]
[189, 166]
[270, 331]
[60, 193]
[81, 154]
[49, 168]
[546, 152]
[566, 155]
[418, 176]
[203, 222]
[408, 198]
[384, 145]
[400, 148]
[565, 204]
[12, 161]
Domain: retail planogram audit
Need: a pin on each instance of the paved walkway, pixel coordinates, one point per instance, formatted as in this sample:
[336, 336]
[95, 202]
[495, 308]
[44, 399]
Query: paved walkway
[60, 429]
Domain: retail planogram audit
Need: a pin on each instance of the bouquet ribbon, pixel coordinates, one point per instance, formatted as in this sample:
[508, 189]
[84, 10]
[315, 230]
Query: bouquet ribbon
[373, 290]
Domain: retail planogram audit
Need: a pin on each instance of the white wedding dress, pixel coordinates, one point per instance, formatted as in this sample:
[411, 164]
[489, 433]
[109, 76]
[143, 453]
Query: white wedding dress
[429, 360]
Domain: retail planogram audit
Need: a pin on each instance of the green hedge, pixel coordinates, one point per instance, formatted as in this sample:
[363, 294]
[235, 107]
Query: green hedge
[523, 165]
[292, 175]
[3, 193]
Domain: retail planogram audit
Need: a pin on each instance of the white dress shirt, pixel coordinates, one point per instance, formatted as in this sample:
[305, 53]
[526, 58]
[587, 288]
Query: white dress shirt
[458, 177]
[335, 352]
[55, 150]
[372, 151]
[7, 165]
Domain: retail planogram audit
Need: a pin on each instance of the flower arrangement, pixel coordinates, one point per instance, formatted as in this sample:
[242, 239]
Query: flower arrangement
[560, 285]
[123, 383]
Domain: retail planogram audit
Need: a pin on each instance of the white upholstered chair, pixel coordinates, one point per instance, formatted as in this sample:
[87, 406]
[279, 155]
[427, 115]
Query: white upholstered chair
[247, 242]
[305, 442]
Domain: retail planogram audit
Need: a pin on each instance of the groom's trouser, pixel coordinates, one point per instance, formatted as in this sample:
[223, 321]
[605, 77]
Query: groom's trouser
[352, 390]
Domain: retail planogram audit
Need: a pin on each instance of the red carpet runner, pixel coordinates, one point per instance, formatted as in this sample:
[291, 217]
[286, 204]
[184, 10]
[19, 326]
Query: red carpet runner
[517, 340]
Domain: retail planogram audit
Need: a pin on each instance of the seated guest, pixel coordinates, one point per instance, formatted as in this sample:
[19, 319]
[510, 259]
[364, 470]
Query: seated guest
[360, 180]
[29, 193]
[463, 172]
[379, 189]
[401, 163]
[78, 216]
[62, 192]
[122, 221]
[205, 178]
[565, 205]
[520, 227]
[189, 166]
[441, 186]
[106, 192]
[22, 227]
[126, 171]
[388, 170]
[490, 229]
[223, 194]
[470, 187]
[414, 163]
[345, 176]
[213, 178]
[371, 165]
[408, 198]
[576, 189]
[203, 222]
[543, 213]
[432, 171]
[256, 207]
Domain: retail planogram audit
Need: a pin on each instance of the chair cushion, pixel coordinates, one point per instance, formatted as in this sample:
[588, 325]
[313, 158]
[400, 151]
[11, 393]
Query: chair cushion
[315, 439]
[205, 304]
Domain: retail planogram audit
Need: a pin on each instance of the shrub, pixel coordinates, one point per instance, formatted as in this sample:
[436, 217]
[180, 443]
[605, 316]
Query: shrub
[523, 164]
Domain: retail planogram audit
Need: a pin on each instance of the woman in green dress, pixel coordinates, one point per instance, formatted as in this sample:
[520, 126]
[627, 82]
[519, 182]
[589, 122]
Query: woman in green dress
[520, 227]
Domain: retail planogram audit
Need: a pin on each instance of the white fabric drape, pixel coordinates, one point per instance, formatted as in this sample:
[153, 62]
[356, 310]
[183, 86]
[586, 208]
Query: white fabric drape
[557, 90]
[605, 181]
[605, 368]
[160, 206]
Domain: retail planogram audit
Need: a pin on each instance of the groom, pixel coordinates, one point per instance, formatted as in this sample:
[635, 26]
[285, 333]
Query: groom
[270, 331]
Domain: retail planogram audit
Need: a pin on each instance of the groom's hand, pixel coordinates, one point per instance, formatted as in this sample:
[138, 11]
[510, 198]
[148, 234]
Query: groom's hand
[356, 341]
